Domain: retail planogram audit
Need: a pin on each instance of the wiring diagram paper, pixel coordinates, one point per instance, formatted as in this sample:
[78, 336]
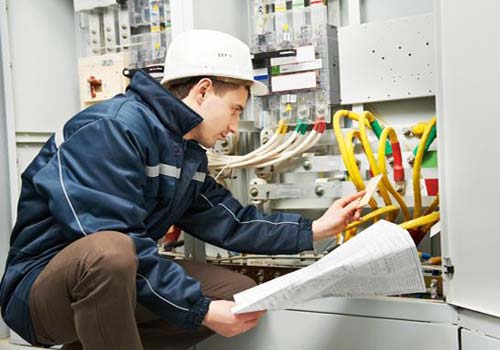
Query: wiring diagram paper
[381, 260]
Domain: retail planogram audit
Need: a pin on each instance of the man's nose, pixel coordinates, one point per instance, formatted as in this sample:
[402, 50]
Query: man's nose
[233, 127]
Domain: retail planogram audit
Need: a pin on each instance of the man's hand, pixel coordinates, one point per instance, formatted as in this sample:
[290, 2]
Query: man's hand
[221, 320]
[337, 217]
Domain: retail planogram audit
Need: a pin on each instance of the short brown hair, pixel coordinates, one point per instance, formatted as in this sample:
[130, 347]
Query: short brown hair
[180, 88]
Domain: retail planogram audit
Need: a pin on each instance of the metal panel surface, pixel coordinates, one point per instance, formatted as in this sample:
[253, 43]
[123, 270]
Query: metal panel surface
[467, 100]
[479, 322]
[473, 341]
[294, 330]
[385, 307]
[381, 10]
[7, 109]
[387, 60]
[5, 186]
[230, 16]
[80, 5]
[44, 64]
[5, 204]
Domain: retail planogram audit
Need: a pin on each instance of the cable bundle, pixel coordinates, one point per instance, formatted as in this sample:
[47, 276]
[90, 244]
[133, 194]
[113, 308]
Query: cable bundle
[278, 149]
[420, 224]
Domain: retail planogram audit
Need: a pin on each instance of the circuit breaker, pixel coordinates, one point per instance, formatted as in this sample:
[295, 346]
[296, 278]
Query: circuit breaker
[296, 55]
[100, 77]
[114, 35]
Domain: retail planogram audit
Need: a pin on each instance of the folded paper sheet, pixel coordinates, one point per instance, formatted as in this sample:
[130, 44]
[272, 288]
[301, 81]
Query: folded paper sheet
[381, 260]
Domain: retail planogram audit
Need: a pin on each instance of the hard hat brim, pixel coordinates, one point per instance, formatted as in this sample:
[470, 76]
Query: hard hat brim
[258, 88]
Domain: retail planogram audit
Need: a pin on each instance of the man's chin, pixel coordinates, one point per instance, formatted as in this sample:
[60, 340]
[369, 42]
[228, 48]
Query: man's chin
[208, 144]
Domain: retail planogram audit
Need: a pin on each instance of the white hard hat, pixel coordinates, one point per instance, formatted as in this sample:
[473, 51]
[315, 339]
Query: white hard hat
[210, 53]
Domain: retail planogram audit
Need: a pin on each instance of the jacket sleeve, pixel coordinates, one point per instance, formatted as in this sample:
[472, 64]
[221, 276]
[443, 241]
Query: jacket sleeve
[95, 182]
[218, 218]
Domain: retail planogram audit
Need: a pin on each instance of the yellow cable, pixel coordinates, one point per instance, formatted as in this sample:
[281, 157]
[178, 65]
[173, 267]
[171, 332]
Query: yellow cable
[418, 129]
[417, 165]
[372, 215]
[350, 233]
[432, 206]
[388, 131]
[340, 138]
[421, 221]
[375, 114]
[367, 116]
[356, 177]
[366, 143]
[338, 237]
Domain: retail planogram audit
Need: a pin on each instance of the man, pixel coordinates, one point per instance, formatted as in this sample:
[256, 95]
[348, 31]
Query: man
[83, 268]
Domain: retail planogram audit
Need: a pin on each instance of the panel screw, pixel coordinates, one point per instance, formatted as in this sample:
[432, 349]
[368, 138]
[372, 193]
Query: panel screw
[307, 165]
[319, 190]
[254, 192]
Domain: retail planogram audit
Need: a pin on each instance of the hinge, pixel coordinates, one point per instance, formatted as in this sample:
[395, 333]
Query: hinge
[449, 269]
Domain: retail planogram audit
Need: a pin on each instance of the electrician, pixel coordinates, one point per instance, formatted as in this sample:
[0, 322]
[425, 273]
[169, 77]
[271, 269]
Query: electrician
[83, 268]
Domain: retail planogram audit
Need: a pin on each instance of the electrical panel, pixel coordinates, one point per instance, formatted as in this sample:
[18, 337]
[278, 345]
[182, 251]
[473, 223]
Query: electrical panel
[101, 77]
[80, 5]
[310, 150]
[119, 35]
[304, 150]
[296, 54]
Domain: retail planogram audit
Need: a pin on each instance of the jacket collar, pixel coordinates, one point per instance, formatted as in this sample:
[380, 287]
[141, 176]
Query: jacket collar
[172, 112]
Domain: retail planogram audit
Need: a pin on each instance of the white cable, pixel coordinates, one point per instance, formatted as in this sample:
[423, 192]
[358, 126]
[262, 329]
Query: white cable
[276, 150]
[308, 143]
[223, 160]
[267, 155]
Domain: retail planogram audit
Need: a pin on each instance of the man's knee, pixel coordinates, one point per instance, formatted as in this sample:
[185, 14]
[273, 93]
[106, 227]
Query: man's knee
[234, 283]
[217, 282]
[244, 282]
[116, 253]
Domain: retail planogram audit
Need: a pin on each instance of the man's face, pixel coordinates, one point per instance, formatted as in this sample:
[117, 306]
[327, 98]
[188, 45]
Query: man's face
[220, 115]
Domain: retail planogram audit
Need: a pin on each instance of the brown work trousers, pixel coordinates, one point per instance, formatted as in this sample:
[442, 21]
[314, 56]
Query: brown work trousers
[85, 298]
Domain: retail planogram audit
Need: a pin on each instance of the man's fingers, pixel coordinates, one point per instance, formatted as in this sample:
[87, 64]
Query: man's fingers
[348, 199]
[352, 206]
[357, 215]
[250, 324]
[249, 316]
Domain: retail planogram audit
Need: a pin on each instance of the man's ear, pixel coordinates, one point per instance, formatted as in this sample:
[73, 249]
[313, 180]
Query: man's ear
[202, 88]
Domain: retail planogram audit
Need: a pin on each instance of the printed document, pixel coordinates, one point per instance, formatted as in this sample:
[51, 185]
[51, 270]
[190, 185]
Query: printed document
[381, 260]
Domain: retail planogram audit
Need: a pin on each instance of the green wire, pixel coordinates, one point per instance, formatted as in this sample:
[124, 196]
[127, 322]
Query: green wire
[430, 139]
[377, 129]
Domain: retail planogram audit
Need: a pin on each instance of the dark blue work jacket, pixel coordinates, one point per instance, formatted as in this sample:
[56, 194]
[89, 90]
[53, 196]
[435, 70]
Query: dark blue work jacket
[123, 165]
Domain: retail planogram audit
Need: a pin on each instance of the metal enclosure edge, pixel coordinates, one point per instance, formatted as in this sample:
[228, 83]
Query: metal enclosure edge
[467, 65]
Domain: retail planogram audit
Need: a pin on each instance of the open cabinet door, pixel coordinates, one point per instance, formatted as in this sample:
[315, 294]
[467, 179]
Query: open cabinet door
[8, 174]
[468, 107]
